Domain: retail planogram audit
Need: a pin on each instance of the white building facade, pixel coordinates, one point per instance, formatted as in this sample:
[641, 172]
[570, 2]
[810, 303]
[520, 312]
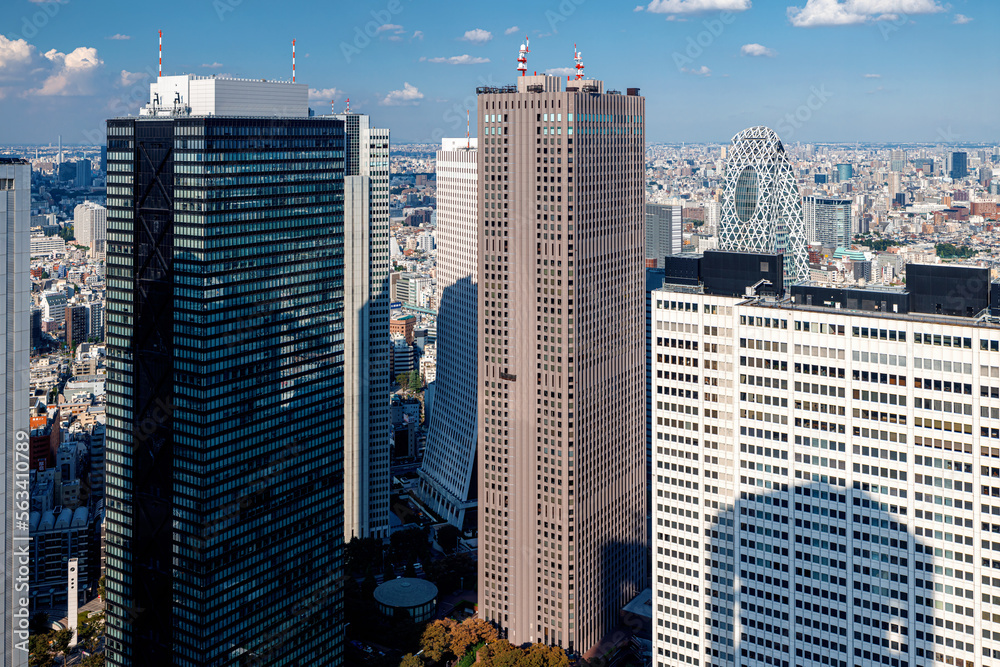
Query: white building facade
[826, 486]
[446, 476]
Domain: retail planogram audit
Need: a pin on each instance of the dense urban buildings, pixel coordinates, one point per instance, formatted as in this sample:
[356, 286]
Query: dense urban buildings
[15, 210]
[447, 477]
[823, 466]
[225, 324]
[366, 325]
[562, 497]
[761, 204]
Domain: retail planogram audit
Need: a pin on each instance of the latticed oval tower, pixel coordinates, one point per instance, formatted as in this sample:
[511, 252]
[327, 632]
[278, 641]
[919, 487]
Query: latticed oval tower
[761, 204]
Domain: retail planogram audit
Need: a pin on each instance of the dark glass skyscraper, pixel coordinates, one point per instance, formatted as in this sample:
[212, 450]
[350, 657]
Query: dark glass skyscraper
[225, 389]
[959, 165]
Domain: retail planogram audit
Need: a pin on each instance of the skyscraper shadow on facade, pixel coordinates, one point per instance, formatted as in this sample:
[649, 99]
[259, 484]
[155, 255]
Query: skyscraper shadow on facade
[819, 575]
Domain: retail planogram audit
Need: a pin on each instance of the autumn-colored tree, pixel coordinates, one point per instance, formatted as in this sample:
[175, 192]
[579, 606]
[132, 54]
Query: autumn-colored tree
[470, 632]
[436, 640]
[410, 660]
[540, 655]
[500, 653]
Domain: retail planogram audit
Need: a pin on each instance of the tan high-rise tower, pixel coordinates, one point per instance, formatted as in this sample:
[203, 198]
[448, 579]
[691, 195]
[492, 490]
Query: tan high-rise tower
[561, 358]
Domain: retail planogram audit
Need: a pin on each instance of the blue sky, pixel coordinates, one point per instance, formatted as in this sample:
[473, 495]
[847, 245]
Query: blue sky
[820, 70]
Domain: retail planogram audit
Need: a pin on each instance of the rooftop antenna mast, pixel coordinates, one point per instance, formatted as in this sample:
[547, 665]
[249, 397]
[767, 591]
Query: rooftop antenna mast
[333, 109]
[522, 57]
[293, 61]
[160, 73]
[348, 109]
[578, 57]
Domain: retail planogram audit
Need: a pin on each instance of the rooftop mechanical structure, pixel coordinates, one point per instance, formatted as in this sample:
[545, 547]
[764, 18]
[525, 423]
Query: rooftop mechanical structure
[761, 204]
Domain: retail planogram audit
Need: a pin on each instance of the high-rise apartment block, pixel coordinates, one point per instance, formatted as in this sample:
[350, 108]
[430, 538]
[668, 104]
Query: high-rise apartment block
[90, 227]
[367, 436]
[561, 289]
[761, 204]
[225, 329]
[15, 215]
[447, 476]
[663, 231]
[825, 470]
[828, 220]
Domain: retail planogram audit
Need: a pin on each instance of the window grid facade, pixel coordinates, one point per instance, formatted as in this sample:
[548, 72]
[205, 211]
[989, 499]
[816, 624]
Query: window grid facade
[225, 354]
[823, 486]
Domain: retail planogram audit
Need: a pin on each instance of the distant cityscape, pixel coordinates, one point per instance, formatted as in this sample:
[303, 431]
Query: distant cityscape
[282, 392]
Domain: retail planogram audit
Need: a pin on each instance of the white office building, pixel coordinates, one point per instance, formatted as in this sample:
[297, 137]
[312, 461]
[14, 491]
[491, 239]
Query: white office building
[367, 434]
[90, 227]
[446, 476]
[826, 478]
[15, 212]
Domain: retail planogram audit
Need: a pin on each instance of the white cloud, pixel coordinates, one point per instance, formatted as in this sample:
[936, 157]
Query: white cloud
[14, 54]
[72, 73]
[126, 78]
[395, 28]
[409, 95]
[961, 19]
[477, 36]
[458, 60]
[757, 50]
[701, 71]
[695, 6]
[853, 12]
[873, 76]
[560, 71]
[325, 94]
[419, 34]
[511, 30]
[119, 36]
[215, 65]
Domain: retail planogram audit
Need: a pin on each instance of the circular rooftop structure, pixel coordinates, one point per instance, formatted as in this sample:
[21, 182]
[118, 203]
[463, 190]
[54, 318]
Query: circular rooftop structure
[416, 598]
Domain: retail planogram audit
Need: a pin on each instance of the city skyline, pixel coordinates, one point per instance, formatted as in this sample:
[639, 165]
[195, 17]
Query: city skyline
[418, 74]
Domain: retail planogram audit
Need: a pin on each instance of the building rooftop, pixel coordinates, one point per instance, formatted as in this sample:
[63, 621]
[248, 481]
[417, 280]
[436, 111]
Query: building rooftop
[406, 592]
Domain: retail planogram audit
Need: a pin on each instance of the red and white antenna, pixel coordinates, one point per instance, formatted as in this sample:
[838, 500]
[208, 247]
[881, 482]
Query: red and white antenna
[161, 56]
[333, 109]
[578, 57]
[293, 61]
[468, 141]
[522, 57]
[348, 110]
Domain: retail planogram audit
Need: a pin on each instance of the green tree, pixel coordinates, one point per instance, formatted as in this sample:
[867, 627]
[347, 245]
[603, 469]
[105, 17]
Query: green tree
[369, 584]
[100, 587]
[60, 643]
[387, 570]
[415, 383]
[360, 552]
[403, 380]
[96, 660]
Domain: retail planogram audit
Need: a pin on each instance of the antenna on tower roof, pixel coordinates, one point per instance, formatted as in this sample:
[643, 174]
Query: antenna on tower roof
[333, 110]
[293, 61]
[348, 110]
[578, 57]
[522, 57]
[160, 72]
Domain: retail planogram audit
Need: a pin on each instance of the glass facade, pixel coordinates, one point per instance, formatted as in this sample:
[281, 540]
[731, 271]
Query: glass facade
[225, 391]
